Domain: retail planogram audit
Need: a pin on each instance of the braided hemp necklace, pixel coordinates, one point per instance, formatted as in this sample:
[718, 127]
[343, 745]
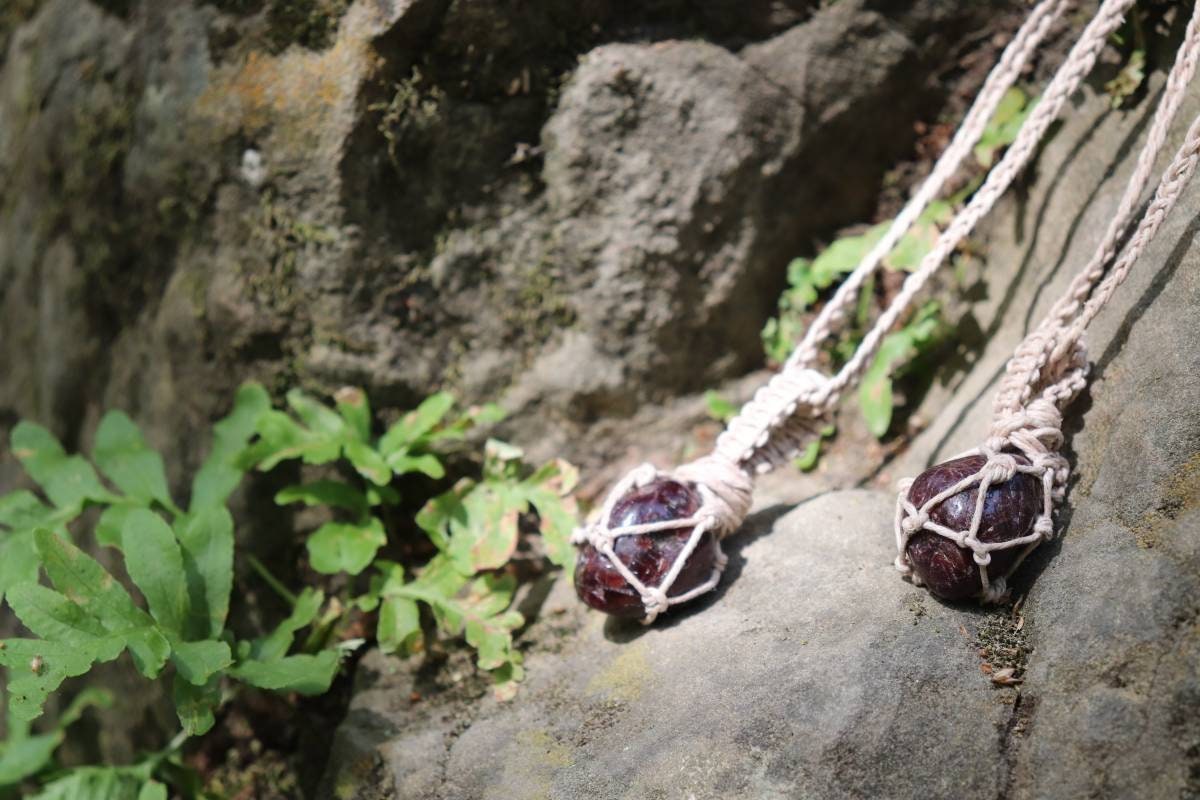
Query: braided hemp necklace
[656, 540]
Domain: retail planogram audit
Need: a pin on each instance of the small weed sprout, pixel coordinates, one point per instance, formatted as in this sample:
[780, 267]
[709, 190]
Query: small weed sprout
[924, 331]
[718, 406]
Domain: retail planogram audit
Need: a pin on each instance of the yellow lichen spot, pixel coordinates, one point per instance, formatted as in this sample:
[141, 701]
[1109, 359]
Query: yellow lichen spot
[539, 757]
[351, 781]
[299, 96]
[546, 748]
[625, 677]
[350, 396]
[1179, 494]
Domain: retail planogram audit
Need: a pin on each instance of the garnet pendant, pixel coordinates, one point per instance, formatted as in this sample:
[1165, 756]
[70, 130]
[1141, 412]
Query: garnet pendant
[1010, 510]
[648, 556]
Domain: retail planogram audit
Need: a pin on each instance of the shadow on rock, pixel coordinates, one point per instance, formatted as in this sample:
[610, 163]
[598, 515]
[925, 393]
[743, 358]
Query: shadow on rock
[757, 525]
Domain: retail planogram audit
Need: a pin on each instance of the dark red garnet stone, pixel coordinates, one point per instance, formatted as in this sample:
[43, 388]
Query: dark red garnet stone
[1010, 510]
[648, 556]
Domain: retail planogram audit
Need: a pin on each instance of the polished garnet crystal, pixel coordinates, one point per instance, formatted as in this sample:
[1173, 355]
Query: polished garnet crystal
[1010, 510]
[648, 556]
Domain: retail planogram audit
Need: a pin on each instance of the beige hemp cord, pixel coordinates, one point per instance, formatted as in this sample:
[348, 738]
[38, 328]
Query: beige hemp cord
[1049, 368]
[785, 414]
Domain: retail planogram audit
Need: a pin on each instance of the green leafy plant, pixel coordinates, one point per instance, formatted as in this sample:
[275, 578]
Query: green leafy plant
[147, 779]
[808, 278]
[920, 335]
[181, 562]
[719, 407]
[474, 527]
[24, 754]
[807, 460]
[106, 783]
[1005, 124]
[318, 434]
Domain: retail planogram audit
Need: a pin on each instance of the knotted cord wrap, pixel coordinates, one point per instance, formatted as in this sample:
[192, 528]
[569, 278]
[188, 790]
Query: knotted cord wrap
[1049, 368]
[789, 412]
[1036, 434]
[781, 418]
[730, 487]
[725, 492]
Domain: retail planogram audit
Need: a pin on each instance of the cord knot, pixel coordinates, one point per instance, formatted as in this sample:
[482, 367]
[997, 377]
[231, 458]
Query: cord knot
[596, 530]
[1044, 527]
[1000, 467]
[727, 489]
[781, 418]
[656, 602]
[912, 523]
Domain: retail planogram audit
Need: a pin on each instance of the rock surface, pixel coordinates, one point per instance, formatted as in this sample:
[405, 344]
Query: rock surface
[788, 683]
[817, 672]
[434, 193]
[573, 210]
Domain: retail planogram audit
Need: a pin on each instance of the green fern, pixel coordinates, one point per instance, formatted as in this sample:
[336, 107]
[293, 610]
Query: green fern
[474, 526]
[181, 562]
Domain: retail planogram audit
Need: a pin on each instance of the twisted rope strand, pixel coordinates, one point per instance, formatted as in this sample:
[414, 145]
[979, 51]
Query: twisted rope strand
[1053, 356]
[1175, 91]
[1169, 191]
[1068, 78]
[766, 432]
[1046, 345]
[1002, 77]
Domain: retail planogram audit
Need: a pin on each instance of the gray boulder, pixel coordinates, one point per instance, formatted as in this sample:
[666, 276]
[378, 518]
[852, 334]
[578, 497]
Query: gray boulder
[803, 677]
[581, 210]
[418, 195]
[815, 671]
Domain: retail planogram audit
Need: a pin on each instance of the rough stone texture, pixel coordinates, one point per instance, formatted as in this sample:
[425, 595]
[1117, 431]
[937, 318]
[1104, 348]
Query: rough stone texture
[574, 209]
[579, 238]
[817, 672]
[787, 685]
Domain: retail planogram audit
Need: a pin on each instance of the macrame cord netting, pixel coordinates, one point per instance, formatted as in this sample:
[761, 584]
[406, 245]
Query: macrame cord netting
[790, 410]
[1049, 367]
